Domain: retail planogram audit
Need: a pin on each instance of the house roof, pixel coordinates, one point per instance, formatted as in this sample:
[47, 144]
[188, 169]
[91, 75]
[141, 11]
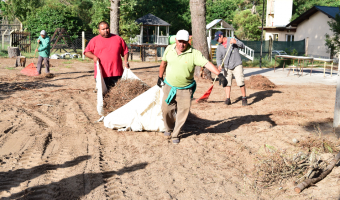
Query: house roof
[329, 11]
[216, 21]
[152, 20]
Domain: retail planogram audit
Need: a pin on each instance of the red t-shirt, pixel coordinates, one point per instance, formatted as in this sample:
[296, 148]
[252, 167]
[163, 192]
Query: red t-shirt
[109, 51]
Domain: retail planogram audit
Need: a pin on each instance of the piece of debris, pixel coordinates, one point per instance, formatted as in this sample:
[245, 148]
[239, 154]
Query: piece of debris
[45, 105]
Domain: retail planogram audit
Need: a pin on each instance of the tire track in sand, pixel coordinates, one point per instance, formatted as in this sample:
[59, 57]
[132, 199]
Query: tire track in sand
[112, 181]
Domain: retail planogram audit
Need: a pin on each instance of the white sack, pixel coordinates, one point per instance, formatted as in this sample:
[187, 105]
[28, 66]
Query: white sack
[101, 90]
[128, 74]
[142, 113]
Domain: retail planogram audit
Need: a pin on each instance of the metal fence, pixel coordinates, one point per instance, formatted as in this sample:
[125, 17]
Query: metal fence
[289, 47]
[78, 43]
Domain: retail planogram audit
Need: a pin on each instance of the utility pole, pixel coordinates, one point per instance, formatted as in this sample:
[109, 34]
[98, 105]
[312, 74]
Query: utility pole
[336, 120]
[262, 33]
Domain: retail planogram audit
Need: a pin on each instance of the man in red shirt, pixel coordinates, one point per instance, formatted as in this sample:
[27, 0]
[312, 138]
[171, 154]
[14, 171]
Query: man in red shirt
[108, 49]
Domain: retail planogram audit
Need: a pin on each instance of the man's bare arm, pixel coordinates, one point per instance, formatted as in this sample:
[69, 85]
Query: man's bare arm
[92, 56]
[126, 58]
[211, 67]
[162, 68]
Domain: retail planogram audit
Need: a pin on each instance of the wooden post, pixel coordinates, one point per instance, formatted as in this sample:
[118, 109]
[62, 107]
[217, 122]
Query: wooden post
[83, 44]
[3, 40]
[336, 120]
[270, 48]
[306, 46]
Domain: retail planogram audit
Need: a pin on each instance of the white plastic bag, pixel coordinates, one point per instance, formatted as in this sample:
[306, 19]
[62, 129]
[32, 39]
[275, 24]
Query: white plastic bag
[128, 74]
[101, 90]
[142, 113]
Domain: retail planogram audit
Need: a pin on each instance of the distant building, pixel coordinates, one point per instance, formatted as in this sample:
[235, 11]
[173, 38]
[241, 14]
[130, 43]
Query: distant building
[311, 26]
[278, 15]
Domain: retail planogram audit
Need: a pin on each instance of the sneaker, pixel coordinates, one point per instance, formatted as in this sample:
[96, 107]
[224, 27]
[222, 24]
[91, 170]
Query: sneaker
[227, 101]
[167, 134]
[175, 141]
[244, 101]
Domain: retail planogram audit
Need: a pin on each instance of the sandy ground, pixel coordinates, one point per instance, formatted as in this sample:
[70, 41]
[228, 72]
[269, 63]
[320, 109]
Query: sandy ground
[51, 147]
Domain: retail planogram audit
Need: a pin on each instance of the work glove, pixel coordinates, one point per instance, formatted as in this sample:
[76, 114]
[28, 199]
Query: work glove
[222, 80]
[160, 82]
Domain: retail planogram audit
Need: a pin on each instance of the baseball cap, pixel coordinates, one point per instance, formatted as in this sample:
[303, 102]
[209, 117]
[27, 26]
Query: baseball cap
[43, 32]
[182, 35]
[218, 34]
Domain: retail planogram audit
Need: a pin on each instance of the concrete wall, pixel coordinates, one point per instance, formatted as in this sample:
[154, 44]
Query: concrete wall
[315, 29]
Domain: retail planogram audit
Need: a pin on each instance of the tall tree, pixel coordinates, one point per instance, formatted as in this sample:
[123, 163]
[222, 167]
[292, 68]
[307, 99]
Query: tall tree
[197, 9]
[114, 16]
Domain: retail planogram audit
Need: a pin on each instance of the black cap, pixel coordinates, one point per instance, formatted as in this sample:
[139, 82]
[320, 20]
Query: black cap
[218, 34]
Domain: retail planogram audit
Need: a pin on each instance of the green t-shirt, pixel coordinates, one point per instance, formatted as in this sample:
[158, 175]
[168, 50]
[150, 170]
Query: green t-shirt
[44, 47]
[180, 69]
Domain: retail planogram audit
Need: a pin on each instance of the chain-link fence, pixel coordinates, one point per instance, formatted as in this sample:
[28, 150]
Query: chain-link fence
[77, 43]
[295, 47]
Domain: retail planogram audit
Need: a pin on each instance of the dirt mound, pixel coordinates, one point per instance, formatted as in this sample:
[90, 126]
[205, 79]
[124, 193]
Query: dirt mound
[259, 82]
[122, 93]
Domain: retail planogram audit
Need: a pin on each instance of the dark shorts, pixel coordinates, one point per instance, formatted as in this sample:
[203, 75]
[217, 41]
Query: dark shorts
[111, 81]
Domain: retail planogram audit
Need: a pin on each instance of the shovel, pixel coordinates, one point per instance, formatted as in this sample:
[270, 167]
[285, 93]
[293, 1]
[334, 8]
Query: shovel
[207, 93]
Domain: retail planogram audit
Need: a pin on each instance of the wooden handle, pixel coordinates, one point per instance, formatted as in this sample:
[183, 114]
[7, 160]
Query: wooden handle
[224, 59]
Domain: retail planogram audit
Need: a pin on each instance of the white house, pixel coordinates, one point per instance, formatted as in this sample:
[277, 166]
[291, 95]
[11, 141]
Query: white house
[310, 26]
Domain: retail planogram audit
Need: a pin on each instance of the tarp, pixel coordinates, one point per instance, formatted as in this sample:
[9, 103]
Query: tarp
[101, 90]
[142, 113]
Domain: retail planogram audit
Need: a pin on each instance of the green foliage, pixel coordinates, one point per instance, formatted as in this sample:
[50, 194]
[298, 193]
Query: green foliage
[100, 12]
[220, 9]
[247, 25]
[301, 6]
[19, 8]
[333, 42]
[128, 28]
[54, 16]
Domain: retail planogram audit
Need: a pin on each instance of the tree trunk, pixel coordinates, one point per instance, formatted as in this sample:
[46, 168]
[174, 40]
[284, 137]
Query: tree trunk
[114, 17]
[197, 9]
[20, 61]
[13, 52]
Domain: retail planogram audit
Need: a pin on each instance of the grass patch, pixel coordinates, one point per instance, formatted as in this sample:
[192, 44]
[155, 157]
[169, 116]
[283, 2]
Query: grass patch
[10, 68]
[67, 66]
[68, 62]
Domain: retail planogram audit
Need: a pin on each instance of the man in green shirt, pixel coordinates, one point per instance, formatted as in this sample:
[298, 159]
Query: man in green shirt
[179, 61]
[44, 51]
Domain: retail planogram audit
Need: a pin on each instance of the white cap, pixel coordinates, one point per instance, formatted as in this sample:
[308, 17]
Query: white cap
[182, 35]
[43, 32]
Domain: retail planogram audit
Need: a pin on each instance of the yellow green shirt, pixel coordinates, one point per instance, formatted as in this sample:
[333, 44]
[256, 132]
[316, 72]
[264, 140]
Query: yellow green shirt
[180, 68]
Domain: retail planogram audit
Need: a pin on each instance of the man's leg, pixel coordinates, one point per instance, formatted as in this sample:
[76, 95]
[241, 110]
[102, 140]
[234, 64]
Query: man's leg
[239, 76]
[111, 81]
[40, 59]
[227, 91]
[243, 91]
[183, 98]
[228, 73]
[47, 64]
[168, 110]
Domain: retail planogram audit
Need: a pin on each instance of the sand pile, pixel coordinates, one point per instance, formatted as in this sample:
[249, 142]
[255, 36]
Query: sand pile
[122, 93]
[259, 82]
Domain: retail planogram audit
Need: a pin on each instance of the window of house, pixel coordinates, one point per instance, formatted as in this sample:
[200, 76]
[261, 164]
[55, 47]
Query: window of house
[289, 38]
[276, 37]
